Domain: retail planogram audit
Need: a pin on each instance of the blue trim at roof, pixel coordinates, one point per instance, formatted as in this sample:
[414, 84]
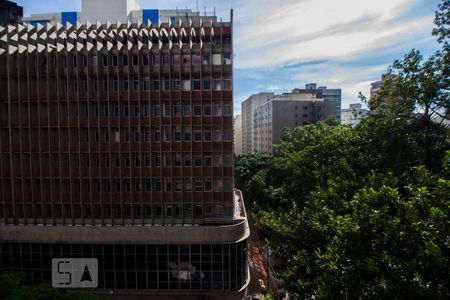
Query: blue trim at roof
[70, 17]
[150, 14]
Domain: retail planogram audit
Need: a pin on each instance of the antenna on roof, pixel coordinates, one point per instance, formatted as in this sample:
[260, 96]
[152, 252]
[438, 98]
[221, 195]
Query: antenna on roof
[214, 11]
[204, 7]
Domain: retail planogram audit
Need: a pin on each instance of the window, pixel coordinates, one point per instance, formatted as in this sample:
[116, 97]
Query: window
[186, 110]
[197, 135]
[218, 185]
[227, 110]
[166, 61]
[177, 159]
[136, 109]
[177, 110]
[207, 84]
[167, 110]
[197, 109]
[207, 110]
[177, 134]
[146, 110]
[187, 160]
[197, 84]
[186, 59]
[166, 83]
[176, 59]
[125, 85]
[217, 59]
[207, 135]
[125, 60]
[137, 161]
[156, 84]
[104, 60]
[168, 185]
[227, 84]
[197, 159]
[217, 84]
[206, 59]
[126, 110]
[187, 134]
[137, 136]
[145, 59]
[136, 84]
[227, 135]
[146, 84]
[217, 160]
[217, 135]
[114, 59]
[208, 184]
[186, 84]
[176, 84]
[155, 59]
[147, 136]
[198, 185]
[217, 109]
[196, 59]
[157, 110]
[188, 184]
[135, 60]
[226, 59]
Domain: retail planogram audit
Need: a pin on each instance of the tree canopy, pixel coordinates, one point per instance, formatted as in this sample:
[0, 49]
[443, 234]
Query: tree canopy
[363, 213]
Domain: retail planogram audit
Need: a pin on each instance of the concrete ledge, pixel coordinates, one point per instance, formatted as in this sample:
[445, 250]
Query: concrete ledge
[123, 234]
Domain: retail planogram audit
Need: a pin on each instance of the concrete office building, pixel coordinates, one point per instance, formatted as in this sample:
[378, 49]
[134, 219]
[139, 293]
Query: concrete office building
[247, 108]
[117, 143]
[10, 13]
[328, 95]
[287, 111]
[354, 114]
[238, 135]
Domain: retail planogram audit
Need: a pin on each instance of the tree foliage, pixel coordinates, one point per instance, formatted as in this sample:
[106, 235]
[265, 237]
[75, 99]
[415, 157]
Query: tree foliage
[363, 213]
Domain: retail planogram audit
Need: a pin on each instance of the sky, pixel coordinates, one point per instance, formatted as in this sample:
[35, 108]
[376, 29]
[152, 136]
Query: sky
[283, 44]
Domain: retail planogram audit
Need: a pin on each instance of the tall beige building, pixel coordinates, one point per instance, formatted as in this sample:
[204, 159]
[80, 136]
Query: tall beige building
[238, 135]
[247, 107]
[287, 111]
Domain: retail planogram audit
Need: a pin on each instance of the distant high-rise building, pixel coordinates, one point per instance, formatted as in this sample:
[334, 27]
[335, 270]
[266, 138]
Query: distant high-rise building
[354, 114]
[288, 110]
[238, 135]
[375, 86]
[328, 95]
[10, 13]
[247, 108]
[117, 144]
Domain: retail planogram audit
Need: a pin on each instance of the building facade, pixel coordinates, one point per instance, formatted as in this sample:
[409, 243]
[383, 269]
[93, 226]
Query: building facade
[247, 109]
[238, 135]
[10, 13]
[117, 143]
[354, 114]
[328, 95]
[288, 110]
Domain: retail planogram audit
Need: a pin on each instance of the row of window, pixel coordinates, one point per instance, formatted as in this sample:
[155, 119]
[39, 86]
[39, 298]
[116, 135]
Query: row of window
[144, 59]
[147, 110]
[138, 267]
[152, 84]
[115, 211]
[206, 184]
[164, 134]
[155, 159]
